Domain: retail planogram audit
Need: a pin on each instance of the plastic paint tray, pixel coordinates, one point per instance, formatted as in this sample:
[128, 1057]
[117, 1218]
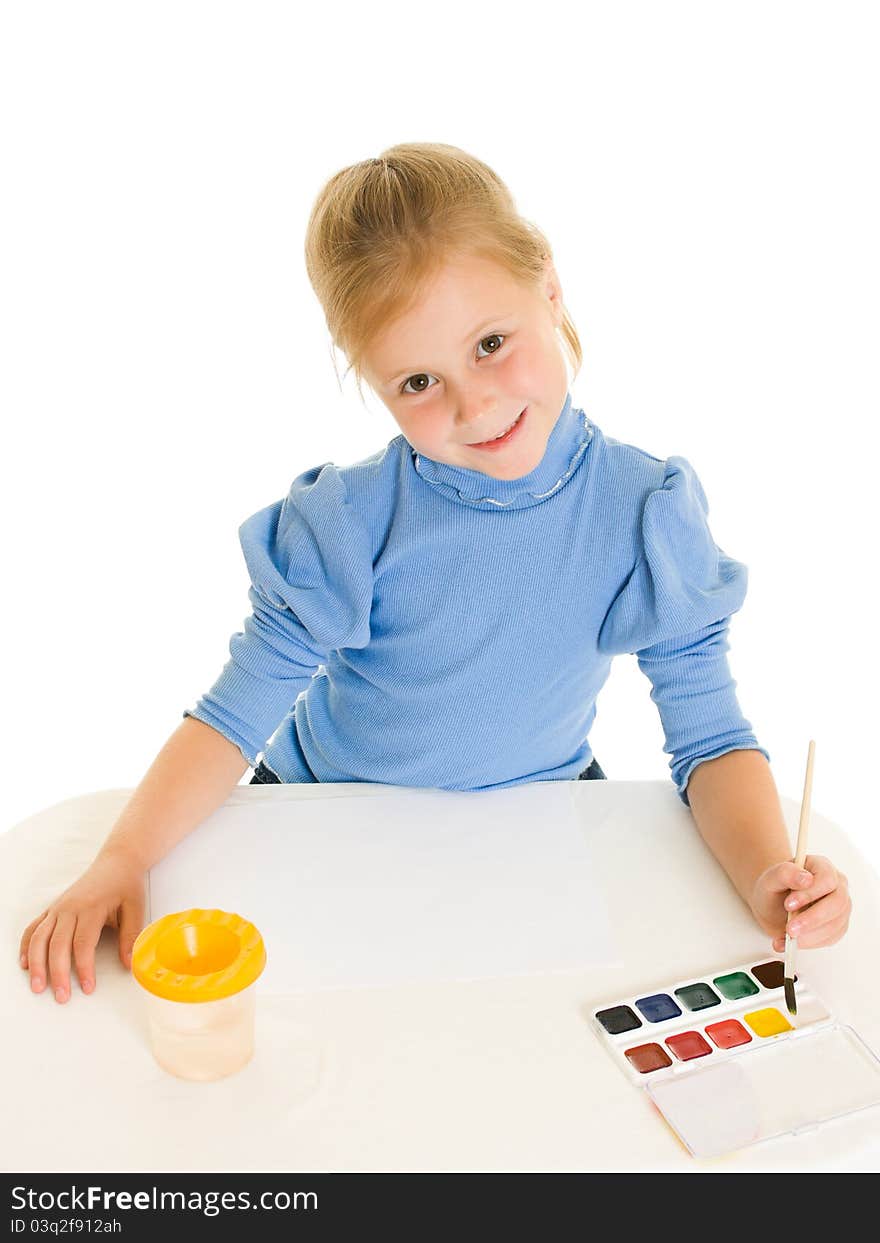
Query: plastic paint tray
[728, 1066]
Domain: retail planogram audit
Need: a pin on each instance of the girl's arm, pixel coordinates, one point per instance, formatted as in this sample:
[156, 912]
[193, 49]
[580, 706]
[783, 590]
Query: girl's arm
[192, 775]
[736, 807]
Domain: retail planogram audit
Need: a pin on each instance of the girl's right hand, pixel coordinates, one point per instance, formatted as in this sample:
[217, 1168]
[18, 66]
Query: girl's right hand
[110, 893]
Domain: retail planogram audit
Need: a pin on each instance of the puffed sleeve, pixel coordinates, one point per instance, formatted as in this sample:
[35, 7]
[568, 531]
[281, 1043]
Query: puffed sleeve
[310, 565]
[673, 613]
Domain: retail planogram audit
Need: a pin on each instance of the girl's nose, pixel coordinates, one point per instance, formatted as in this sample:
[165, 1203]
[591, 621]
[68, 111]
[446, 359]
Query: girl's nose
[477, 410]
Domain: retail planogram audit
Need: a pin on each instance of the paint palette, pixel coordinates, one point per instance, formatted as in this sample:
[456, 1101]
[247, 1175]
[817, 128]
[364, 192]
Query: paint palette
[727, 1065]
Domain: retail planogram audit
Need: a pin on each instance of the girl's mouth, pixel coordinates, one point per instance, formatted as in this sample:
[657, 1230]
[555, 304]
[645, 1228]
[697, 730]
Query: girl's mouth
[492, 446]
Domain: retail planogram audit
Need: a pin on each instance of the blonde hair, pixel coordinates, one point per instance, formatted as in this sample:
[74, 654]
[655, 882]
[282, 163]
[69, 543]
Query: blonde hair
[379, 229]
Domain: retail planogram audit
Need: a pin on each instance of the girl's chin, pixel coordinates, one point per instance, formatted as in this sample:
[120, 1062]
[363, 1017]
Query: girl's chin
[512, 470]
[511, 465]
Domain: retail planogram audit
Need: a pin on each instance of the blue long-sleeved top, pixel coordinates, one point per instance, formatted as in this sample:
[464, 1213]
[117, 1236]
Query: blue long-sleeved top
[421, 624]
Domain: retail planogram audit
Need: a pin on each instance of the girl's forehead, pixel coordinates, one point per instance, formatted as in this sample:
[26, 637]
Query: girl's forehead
[461, 299]
[468, 277]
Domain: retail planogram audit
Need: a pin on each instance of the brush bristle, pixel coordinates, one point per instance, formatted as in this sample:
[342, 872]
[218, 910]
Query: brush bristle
[790, 999]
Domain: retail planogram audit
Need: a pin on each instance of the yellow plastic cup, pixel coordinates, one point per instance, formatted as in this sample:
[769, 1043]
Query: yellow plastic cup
[198, 969]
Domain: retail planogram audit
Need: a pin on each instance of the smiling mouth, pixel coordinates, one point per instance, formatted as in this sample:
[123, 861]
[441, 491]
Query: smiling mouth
[481, 444]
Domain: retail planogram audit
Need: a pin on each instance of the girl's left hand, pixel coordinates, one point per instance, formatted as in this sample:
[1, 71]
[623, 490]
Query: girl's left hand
[817, 898]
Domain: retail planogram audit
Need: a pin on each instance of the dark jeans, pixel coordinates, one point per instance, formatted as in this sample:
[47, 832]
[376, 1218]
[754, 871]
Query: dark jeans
[264, 776]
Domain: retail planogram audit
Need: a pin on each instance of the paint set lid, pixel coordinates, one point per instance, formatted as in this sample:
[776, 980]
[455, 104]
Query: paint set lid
[783, 1088]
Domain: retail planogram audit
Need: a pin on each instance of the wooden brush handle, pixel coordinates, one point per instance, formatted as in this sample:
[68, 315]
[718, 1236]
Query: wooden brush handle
[800, 853]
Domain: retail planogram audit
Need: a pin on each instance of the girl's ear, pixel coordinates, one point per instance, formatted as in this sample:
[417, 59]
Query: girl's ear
[553, 290]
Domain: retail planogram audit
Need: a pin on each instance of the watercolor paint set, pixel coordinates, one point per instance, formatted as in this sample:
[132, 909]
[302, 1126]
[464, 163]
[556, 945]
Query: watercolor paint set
[728, 1066]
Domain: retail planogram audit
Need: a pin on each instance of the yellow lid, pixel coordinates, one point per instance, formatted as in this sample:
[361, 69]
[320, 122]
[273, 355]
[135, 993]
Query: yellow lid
[198, 955]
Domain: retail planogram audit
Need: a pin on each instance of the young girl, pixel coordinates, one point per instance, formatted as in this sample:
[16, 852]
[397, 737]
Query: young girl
[445, 612]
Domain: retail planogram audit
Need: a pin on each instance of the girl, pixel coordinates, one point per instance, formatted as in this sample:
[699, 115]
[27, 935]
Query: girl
[445, 612]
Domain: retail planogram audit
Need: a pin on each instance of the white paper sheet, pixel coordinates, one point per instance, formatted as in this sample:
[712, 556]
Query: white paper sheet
[404, 886]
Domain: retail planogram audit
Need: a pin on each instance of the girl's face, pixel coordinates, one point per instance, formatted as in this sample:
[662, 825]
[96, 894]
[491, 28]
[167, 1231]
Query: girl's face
[477, 353]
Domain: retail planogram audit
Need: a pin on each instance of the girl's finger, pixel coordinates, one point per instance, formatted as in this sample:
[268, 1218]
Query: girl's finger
[38, 952]
[24, 944]
[827, 879]
[59, 956]
[826, 934]
[85, 937]
[819, 865]
[786, 876]
[799, 898]
[131, 921]
[810, 926]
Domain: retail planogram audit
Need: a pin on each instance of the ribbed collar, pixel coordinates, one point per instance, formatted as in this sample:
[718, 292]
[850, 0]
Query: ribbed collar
[565, 451]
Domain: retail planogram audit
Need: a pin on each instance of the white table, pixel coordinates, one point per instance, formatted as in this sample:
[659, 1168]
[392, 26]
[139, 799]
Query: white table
[491, 1075]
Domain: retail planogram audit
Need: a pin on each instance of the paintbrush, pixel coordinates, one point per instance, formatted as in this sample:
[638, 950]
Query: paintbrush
[800, 855]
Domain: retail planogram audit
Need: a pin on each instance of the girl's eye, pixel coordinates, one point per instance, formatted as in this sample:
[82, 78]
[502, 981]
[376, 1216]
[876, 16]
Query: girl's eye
[496, 336]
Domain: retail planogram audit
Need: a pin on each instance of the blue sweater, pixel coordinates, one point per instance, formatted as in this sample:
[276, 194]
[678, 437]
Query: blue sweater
[421, 624]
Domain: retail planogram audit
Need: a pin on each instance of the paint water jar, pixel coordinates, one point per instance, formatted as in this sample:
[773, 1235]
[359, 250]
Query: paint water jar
[198, 970]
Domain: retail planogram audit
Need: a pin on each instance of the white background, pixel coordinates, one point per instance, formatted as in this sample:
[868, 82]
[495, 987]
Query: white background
[707, 177]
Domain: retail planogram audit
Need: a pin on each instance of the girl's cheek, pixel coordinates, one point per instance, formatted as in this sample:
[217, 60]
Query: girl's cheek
[522, 366]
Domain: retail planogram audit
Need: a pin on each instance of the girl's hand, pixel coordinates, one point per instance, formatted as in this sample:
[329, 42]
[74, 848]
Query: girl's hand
[817, 898]
[110, 893]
